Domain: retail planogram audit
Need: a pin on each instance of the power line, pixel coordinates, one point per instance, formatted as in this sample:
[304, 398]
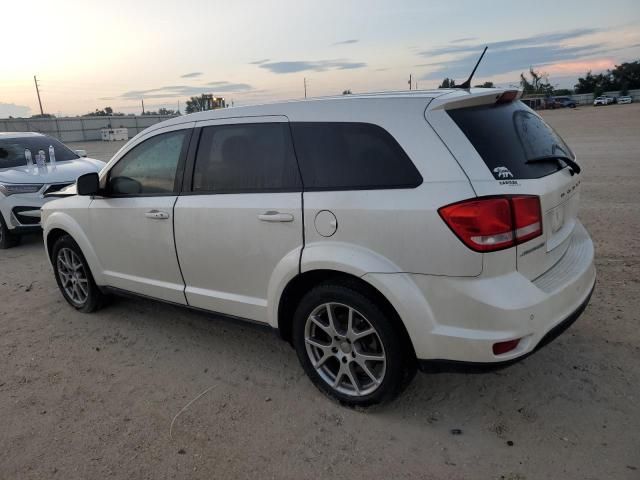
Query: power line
[35, 80]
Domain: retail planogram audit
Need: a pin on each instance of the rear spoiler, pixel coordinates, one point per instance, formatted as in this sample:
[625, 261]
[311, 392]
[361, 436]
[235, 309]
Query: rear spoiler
[474, 97]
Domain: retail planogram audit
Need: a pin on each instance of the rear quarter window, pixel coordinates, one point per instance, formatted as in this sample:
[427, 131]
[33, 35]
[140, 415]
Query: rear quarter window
[351, 156]
[508, 135]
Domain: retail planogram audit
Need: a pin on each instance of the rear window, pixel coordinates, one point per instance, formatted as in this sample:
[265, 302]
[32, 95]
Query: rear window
[351, 156]
[508, 135]
[12, 150]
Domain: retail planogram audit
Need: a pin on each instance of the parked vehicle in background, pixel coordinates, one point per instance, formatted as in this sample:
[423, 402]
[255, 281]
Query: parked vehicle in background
[625, 99]
[375, 232]
[602, 101]
[564, 102]
[32, 165]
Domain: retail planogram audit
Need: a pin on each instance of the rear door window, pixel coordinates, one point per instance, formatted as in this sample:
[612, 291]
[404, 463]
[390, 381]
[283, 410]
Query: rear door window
[237, 158]
[508, 135]
[351, 156]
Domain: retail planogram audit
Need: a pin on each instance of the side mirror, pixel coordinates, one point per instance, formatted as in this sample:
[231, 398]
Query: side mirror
[88, 184]
[81, 153]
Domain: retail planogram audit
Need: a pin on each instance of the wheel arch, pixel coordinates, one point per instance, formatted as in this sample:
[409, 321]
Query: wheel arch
[299, 285]
[57, 224]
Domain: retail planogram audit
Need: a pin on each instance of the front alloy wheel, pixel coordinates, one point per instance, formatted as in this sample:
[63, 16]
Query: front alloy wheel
[73, 277]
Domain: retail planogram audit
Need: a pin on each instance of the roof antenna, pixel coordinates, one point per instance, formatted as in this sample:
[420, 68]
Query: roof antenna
[467, 83]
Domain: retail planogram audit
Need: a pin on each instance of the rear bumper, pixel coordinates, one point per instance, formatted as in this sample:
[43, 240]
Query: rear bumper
[437, 366]
[459, 319]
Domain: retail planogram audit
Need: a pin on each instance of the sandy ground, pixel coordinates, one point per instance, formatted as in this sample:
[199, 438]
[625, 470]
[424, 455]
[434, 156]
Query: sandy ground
[93, 396]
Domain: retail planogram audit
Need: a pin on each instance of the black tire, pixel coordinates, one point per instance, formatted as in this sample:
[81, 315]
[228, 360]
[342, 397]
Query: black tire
[7, 239]
[399, 366]
[94, 298]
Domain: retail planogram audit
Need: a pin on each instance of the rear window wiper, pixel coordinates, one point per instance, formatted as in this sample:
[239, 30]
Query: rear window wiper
[573, 166]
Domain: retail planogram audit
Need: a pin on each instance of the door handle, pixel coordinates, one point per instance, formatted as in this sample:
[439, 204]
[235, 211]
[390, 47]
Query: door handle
[272, 216]
[157, 215]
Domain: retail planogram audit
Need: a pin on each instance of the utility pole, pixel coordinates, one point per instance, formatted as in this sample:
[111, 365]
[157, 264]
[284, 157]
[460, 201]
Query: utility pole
[409, 82]
[305, 87]
[142, 106]
[35, 80]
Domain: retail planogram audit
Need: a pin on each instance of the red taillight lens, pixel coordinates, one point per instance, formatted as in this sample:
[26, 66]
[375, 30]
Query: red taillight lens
[494, 223]
[528, 217]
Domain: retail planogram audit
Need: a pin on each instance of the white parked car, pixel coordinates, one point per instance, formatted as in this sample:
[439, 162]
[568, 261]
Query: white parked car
[602, 101]
[25, 178]
[376, 232]
[625, 99]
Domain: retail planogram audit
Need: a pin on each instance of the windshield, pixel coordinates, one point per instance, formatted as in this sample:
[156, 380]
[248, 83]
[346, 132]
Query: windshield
[12, 150]
[508, 135]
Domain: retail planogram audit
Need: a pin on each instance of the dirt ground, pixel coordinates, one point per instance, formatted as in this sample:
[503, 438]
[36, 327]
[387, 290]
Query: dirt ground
[93, 396]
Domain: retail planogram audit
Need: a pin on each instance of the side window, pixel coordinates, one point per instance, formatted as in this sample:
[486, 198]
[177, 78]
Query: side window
[351, 156]
[253, 157]
[150, 167]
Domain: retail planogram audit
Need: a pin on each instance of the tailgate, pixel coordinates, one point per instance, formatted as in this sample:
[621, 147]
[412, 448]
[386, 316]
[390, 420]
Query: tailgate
[499, 145]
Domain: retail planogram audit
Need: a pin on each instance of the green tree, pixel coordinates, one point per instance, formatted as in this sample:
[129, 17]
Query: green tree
[346, 92]
[622, 77]
[167, 111]
[105, 112]
[538, 85]
[195, 104]
[448, 83]
[486, 85]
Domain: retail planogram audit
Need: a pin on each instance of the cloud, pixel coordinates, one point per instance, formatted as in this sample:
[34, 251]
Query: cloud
[316, 66]
[543, 39]
[347, 42]
[509, 55]
[191, 75]
[462, 40]
[259, 62]
[509, 60]
[176, 91]
[13, 110]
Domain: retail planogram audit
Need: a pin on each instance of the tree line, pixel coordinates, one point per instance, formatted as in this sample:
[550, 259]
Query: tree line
[623, 77]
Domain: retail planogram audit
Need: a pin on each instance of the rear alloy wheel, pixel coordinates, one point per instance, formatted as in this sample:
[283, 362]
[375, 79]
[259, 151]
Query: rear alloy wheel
[345, 349]
[350, 348]
[74, 276]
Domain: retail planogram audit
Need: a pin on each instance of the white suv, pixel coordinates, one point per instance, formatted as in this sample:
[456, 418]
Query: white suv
[376, 232]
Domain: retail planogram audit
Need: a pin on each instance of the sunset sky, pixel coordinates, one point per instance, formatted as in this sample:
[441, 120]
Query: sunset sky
[90, 54]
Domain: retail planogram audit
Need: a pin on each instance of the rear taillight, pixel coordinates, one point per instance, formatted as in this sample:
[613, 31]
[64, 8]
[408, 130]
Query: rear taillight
[488, 224]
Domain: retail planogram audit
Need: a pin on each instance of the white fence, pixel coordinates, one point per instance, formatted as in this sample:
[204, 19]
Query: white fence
[79, 129]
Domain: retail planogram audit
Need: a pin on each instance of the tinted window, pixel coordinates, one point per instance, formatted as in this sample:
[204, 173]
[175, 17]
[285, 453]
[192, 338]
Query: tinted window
[246, 158]
[12, 150]
[350, 156]
[508, 135]
[150, 167]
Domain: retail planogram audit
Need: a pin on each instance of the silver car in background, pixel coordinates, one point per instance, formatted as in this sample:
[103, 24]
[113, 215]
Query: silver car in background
[32, 165]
